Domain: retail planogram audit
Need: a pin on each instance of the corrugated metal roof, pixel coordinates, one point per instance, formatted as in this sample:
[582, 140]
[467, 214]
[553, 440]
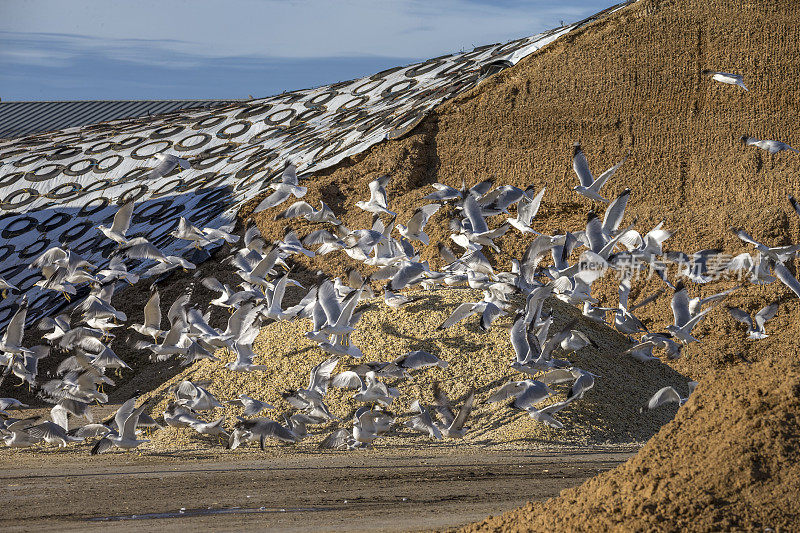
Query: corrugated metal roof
[25, 118]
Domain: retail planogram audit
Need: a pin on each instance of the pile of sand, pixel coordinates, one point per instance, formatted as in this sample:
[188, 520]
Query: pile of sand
[607, 414]
[729, 461]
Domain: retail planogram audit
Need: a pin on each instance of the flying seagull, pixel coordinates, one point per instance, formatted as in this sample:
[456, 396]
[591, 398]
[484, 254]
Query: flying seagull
[124, 436]
[667, 395]
[122, 221]
[288, 186]
[378, 203]
[772, 147]
[589, 186]
[755, 325]
[726, 77]
[166, 164]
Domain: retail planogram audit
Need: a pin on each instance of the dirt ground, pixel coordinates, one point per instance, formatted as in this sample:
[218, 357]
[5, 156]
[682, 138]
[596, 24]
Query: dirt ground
[375, 490]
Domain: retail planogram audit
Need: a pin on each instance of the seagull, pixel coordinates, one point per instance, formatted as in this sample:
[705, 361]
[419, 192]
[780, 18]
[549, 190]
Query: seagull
[195, 397]
[209, 428]
[251, 405]
[696, 304]
[589, 186]
[423, 422]
[757, 267]
[378, 202]
[288, 186]
[177, 415]
[526, 393]
[684, 322]
[584, 381]
[124, 436]
[15, 434]
[140, 248]
[310, 400]
[243, 344]
[527, 209]
[772, 147]
[419, 359]
[261, 429]
[778, 253]
[726, 77]
[397, 300]
[545, 414]
[755, 331]
[452, 425]
[166, 164]
[443, 193]
[116, 270]
[414, 230]
[152, 318]
[667, 395]
[52, 434]
[370, 390]
[122, 221]
[369, 425]
[304, 209]
[26, 365]
[11, 342]
[11, 403]
[203, 237]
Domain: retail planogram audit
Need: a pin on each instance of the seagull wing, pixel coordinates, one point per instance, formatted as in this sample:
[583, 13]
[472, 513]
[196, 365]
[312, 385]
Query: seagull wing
[527, 209]
[329, 302]
[680, 307]
[787, 278]
[47, 430]
[464, 412]
[123, 413]
[665, 395]
[473, 212]
[289, 175]
[490, 313]
[744, 236]
[321, 375]
[766, 313]
[347, 380]
[742, 316]
[102, 445]
[16, 327]
[152, 311]
[144, 250]
[276, 198]
[420, 217]
[462, 311]
[297, 209]
[507, 391]
[377, 189]
[603, 178]
[581, 166]
[615, 212]
[122, 220]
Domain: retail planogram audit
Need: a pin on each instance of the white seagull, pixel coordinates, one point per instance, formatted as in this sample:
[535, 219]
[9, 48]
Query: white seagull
[726, 77]
[589, 186]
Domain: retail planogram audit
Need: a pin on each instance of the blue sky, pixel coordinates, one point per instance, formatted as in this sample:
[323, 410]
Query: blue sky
[187, 49]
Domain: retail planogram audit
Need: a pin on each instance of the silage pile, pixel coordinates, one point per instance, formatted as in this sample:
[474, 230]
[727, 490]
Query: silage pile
[607, 414]
[729, 461]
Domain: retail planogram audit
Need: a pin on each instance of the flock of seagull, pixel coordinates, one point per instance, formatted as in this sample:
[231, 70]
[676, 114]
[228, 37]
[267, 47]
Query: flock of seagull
[333, 308]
